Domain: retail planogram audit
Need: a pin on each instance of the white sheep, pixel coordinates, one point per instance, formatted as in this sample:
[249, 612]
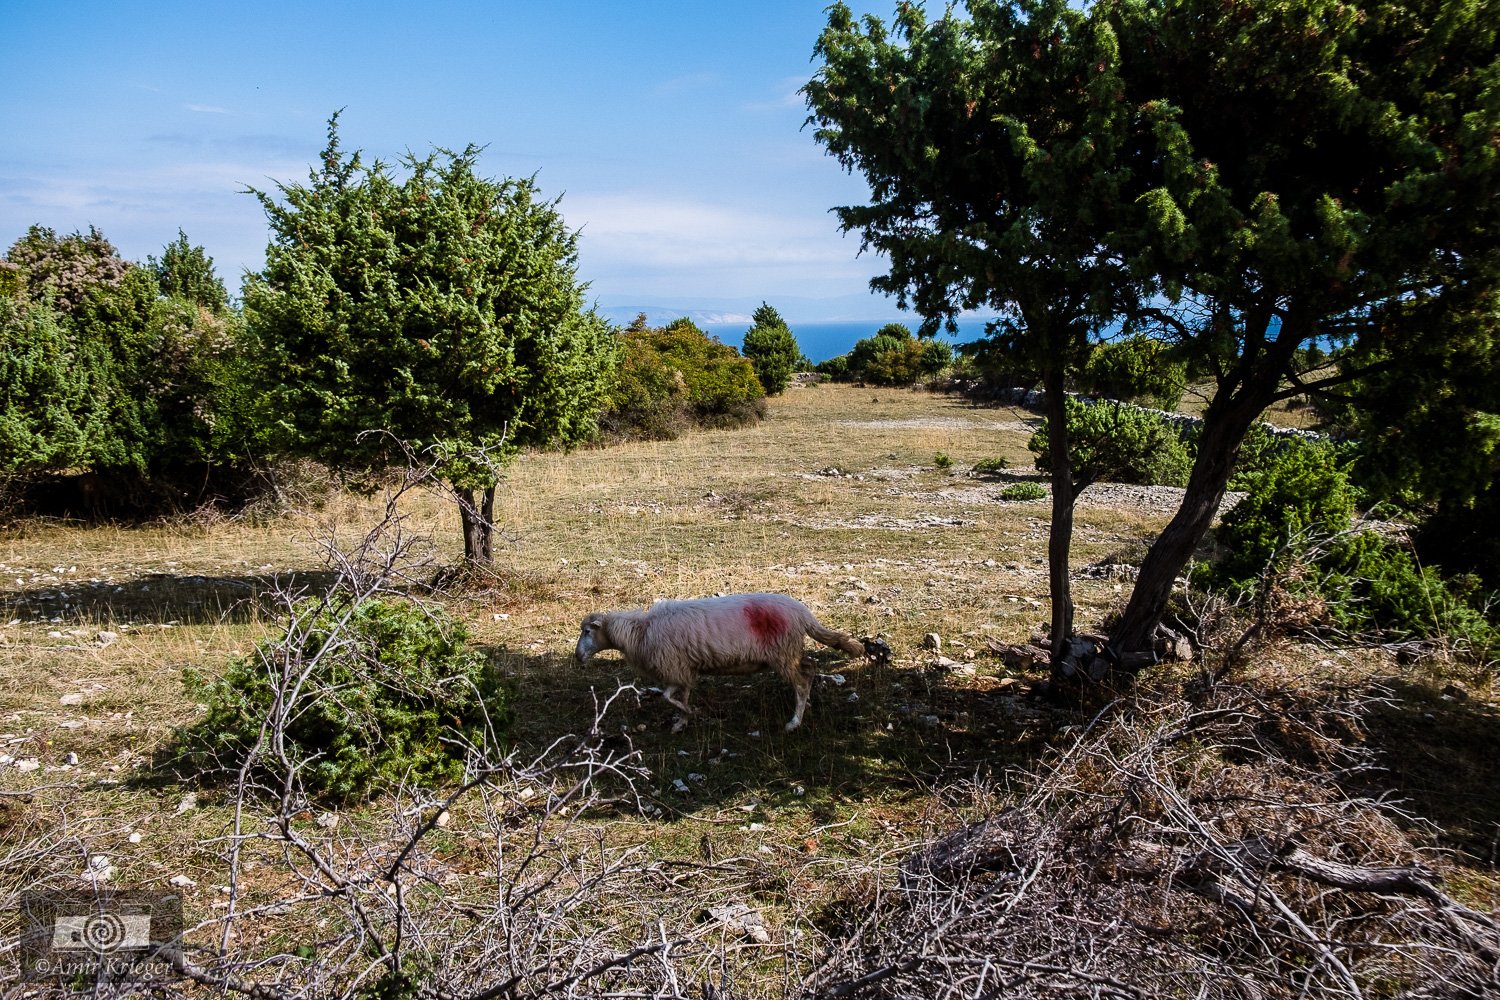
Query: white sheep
[674, 642]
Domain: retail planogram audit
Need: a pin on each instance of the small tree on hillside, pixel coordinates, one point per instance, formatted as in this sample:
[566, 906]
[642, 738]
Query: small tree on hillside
[443, 309]
[772, 349]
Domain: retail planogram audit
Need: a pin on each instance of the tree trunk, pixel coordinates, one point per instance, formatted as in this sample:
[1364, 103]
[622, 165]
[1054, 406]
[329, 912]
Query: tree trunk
[479, 525]
[1060, 535]
[1218, 448]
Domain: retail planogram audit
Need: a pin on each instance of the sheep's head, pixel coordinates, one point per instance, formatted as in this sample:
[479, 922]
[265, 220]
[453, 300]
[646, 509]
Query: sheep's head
[592, 637]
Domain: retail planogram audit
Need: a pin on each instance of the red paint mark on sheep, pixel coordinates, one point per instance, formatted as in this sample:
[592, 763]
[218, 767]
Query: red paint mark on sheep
[767, 623]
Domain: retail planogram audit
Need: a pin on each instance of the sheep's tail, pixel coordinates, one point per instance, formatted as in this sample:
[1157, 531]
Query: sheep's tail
[834, 638]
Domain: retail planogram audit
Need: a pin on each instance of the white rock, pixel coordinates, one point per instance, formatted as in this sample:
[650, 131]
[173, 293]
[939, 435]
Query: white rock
[76, 698]
[328, 820]
[104, 638]
[182, 881]
[443, 819]
[187, 803]
[932, 641]
[29, 764]
[71, 759]
[135, 837]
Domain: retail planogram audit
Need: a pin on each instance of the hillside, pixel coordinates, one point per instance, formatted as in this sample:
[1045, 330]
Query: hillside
[1148, 847]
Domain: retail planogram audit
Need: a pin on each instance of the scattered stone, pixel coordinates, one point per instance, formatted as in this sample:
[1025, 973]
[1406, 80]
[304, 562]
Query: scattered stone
[98, 869]
[443, 819]
[328, 820]
[29, 764]
[182, 881]
[694, 776]
[70, 759]
[932, 641]
[76, 698]
[104, 638]
[187, 803]
[135, 837]
[680, 787]
[740, 917]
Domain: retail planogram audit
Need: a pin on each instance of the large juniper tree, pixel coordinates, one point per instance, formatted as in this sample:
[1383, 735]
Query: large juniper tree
[441, 310]
[1282, 173]
[1312, 170]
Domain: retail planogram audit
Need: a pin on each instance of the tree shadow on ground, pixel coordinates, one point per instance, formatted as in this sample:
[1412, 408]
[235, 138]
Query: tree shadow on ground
[1440, 749]
[872, 733]
[162, 597]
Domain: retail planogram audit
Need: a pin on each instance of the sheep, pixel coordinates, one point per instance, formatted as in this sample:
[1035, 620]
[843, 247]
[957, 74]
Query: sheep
[674, 642]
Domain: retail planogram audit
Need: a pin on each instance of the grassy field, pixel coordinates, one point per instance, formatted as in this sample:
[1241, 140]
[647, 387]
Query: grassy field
[840, 498]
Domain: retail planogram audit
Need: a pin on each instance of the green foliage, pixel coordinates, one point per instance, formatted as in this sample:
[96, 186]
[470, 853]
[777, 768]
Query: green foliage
[1373, 586]
[1119, 443]
[105, 374]
[891, 357]
[676, 377]
[1304, 488]
[367, 696]
[186, 272]
[771, 349]
[942, 461]
[443, 308]
[991, 466]
[1022, 492]
[49, 413]
[1137, 370]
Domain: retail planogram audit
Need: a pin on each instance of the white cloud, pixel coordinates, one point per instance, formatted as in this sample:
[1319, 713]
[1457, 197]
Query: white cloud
[639, 243]
[207, 109]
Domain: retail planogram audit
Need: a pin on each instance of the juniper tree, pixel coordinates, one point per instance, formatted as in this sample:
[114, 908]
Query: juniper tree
[441, 309]
[992, 150]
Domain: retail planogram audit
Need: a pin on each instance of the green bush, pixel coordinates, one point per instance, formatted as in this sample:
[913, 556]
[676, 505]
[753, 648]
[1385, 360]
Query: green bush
[942, 461]
[391, 694]
[1138, 370]
[1301, 488]
[1374, 586]
[676, 377]
[991, 466]
[1117, 443]
[891, 357]
[1017, 492]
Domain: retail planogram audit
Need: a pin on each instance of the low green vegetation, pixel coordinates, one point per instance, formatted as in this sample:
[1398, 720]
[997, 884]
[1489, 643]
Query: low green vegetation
[1120, 443]
[675, 377]
[352, 700]
[891, 357]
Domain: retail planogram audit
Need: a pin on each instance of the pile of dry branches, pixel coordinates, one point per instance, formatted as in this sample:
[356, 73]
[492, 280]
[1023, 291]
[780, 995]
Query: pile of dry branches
[1229, 848]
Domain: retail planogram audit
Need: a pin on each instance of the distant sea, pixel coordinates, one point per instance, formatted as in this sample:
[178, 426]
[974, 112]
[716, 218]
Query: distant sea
[821, 341]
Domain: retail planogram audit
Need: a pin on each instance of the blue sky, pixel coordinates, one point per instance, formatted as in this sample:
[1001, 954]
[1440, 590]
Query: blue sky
[672, 130]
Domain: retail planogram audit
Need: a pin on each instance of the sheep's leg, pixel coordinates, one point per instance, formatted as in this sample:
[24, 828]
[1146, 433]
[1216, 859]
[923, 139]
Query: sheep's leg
[670, 693]
[802, 684]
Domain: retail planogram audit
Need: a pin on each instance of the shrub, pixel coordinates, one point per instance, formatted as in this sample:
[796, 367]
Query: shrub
[891, 357]
[1301, 488]
[1137, 369]
[942, 461]
[367, 696]
[1118, 443]
[991, 466]
[1374, 586]
[677, 377]
[1017, 492]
